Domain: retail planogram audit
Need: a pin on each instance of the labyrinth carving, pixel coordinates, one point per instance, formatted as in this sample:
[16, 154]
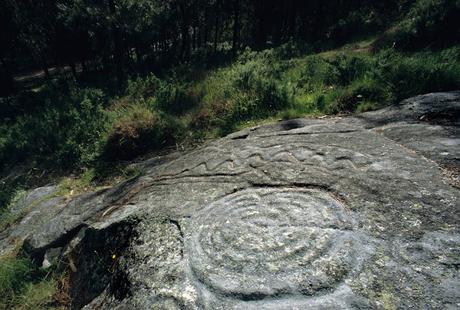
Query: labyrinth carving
[269, 243]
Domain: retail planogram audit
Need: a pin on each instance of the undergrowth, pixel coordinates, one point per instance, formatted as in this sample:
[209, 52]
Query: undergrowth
[71, 127]
[23, 285]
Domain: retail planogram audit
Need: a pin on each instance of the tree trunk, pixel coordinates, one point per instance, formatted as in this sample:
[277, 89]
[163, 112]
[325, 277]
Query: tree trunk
[84, 66]
[7, 86]
[206, 28]
[261, 35]
[185, 48]
[291, 31]
[45, 67]
[73, 68]
[236, 26]
[6, 68]
[216, 32]
[116, 36]
[193, 38]
[185, 41]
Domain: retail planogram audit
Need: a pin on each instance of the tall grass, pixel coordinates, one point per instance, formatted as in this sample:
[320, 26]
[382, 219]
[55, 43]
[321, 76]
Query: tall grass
[24, 286]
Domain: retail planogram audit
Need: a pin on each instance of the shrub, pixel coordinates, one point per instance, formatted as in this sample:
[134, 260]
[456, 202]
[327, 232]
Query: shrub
[274, 95]
[357, 22]
[87, 123]
[366, 106]
[420, 73]
[362, 91]
[429, 22]
[291, 49]
[201, 120]
[171, 97]
[39, 295]
[131, 135]
[350, 68]
[140, 131]
[321, 102]
[245, 107]
[143, 87]
[318, 73]
[14, 273]
[260, 90]
[176, 99]
[65, 131]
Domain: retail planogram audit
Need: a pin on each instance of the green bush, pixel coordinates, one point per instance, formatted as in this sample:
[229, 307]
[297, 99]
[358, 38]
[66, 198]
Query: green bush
[175, 98]
[171, 97]
[429, 22]
[318, 73]
[291, 49]
[419, 73]
[70, 127]
[140, 130]
[274, 95]
[131, 135]
[259, 89]
[366, 94]
[350, 68]
[142, 87]
[65, 131]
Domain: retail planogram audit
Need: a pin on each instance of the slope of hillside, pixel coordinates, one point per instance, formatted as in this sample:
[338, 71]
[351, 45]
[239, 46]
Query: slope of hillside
[229, 154]
[340, 212]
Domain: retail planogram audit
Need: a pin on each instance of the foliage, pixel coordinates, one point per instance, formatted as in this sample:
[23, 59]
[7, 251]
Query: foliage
[423, 24]
[13, 275]
[142, 87]
[365, 93]
[72, 126]
[64, 131]
[138, 131]
[24, 286]
[350, 67]
[138, 36]
[317, 72]
[175, 98]
[38, 295]
[420, 73]
[66, 124]
[429, 22]
[7, 218]
[262, 84]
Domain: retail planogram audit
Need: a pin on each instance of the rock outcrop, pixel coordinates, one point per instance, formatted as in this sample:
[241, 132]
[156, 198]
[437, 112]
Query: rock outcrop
[358, 212]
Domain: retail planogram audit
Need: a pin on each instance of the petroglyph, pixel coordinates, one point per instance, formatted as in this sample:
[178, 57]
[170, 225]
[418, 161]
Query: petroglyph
[269, 243]
[354, 212]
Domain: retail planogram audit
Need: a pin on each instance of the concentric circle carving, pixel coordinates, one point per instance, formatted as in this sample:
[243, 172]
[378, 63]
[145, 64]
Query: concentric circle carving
[258, 243]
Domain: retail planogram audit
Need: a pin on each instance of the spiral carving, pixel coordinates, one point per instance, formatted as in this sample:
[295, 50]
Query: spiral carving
[260, 243]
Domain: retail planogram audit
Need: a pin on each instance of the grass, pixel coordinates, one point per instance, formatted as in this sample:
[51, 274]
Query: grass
[343, 80]
[7, 218]
[25, 286]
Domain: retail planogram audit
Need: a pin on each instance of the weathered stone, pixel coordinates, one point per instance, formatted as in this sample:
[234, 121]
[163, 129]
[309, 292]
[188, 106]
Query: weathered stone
[35, 209]
[358, 212]
[52, 257]
[33, 198]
